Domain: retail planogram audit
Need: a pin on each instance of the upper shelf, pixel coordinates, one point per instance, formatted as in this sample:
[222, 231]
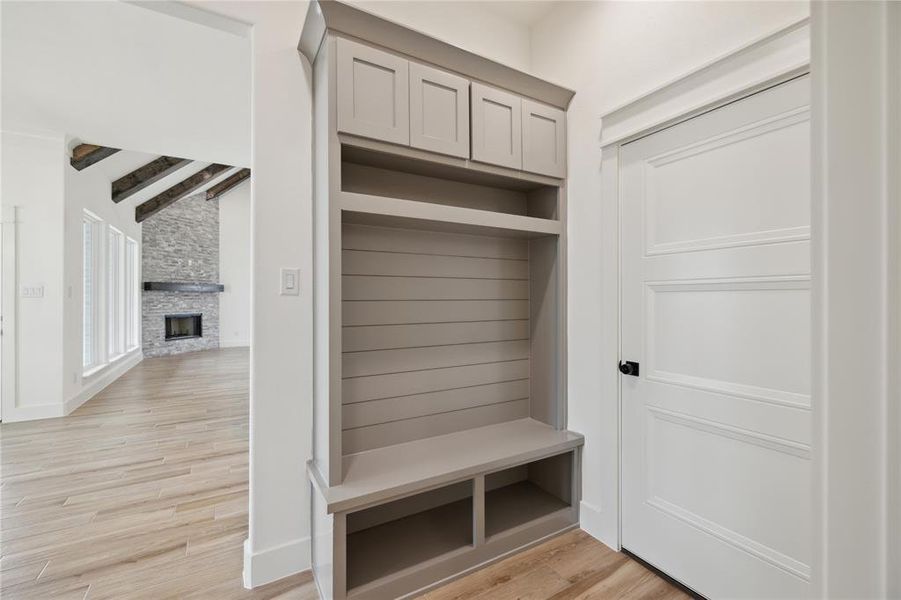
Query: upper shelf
[366, 209]
[379, 475]
[375, 153]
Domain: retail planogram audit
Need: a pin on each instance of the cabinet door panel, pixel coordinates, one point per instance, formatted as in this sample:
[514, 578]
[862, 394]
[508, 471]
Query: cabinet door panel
[543, 139]
[373, 93]
[496, 126]
[439, 111]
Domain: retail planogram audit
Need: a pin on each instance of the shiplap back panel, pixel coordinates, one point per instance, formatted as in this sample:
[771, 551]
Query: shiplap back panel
[436, 334]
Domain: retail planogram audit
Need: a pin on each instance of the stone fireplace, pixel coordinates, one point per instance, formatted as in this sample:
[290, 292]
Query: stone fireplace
[181, 273]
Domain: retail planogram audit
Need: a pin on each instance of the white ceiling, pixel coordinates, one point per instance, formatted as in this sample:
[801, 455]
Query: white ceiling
[524, 12]
[140, 78]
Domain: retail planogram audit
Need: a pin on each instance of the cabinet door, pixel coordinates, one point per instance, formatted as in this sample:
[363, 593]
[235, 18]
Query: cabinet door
[496, 126]
[373, 93]
[439, 111]
[543, 139]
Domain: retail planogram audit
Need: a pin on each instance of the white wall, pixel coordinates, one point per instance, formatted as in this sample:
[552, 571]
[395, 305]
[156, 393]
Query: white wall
[118, 74]
[47, 198]
[33, 192]
[281, 357]
[467, 24]
[234, 267]
[610, 52]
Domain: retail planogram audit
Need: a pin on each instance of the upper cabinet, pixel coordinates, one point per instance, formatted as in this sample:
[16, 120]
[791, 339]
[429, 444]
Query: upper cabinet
[543, 139]
[439, 111]
[496, 126]
[373, 93]
[383, 96]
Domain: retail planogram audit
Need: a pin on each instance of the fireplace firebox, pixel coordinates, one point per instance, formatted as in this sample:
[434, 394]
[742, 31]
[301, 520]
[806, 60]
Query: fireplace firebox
[180, 327]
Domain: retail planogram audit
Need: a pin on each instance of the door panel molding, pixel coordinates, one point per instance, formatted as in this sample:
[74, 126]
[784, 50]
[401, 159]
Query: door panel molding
[734, 539]
[729, 141]
[767, 395]
[758, 438]
[742, 542]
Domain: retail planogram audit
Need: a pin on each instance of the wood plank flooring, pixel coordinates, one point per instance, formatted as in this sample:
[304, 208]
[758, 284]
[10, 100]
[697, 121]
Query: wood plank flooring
[572, 566]
[142, 493]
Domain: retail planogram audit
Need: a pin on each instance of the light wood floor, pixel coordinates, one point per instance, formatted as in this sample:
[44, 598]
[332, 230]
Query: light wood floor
[142, 493]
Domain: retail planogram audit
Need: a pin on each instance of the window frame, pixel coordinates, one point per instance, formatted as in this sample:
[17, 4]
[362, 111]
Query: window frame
[115, 310]
[92, 307]
[132, 295]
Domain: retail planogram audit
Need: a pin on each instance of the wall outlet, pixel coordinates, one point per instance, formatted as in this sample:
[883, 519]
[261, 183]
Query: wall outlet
[32, 291]
[290, 282]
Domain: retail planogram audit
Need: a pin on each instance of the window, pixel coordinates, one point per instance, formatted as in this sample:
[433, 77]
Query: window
[112, 298]
[132, 295]
[92, 249]
[116, 294]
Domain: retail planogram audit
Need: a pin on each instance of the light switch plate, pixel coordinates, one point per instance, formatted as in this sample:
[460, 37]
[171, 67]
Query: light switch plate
[290, 282]
[32, 291]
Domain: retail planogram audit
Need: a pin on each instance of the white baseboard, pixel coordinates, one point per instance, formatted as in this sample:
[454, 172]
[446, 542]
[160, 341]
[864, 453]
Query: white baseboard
[593, 522]
[234, 344]
[96, 383]
[275, 563]
[15, 414]
[100, 380]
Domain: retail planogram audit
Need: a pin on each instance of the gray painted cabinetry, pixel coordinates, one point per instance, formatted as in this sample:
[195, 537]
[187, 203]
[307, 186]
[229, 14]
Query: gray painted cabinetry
[383, 96]
[440, 438]
[439, 111]
[373, 98]
[543, 139]
[496, 126]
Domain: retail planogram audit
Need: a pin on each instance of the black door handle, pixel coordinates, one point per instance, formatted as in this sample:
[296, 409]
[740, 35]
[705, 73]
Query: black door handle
[628, 367]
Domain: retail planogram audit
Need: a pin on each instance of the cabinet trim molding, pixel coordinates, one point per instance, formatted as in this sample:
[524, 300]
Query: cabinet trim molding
[342, 18]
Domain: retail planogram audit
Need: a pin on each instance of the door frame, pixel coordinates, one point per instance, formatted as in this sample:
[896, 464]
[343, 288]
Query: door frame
[768, 61]
[855, 53]
[856, 263]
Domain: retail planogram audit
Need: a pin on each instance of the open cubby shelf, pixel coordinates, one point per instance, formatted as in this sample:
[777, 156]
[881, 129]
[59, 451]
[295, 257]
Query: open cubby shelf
[378, 548]
[517, 504]
[456, 522]
[371, 153]
[522, 494]
[394, 191]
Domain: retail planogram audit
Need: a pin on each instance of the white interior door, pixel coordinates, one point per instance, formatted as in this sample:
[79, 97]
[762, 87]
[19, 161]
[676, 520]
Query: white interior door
[716, 473]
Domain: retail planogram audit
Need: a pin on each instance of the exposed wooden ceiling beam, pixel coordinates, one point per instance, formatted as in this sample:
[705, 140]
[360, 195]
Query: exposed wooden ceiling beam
[227, 184]
[85, 155]
[177, 192]
[132, 183]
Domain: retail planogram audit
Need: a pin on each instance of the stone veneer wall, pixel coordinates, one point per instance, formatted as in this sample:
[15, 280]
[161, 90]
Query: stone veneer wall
[181, 243]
